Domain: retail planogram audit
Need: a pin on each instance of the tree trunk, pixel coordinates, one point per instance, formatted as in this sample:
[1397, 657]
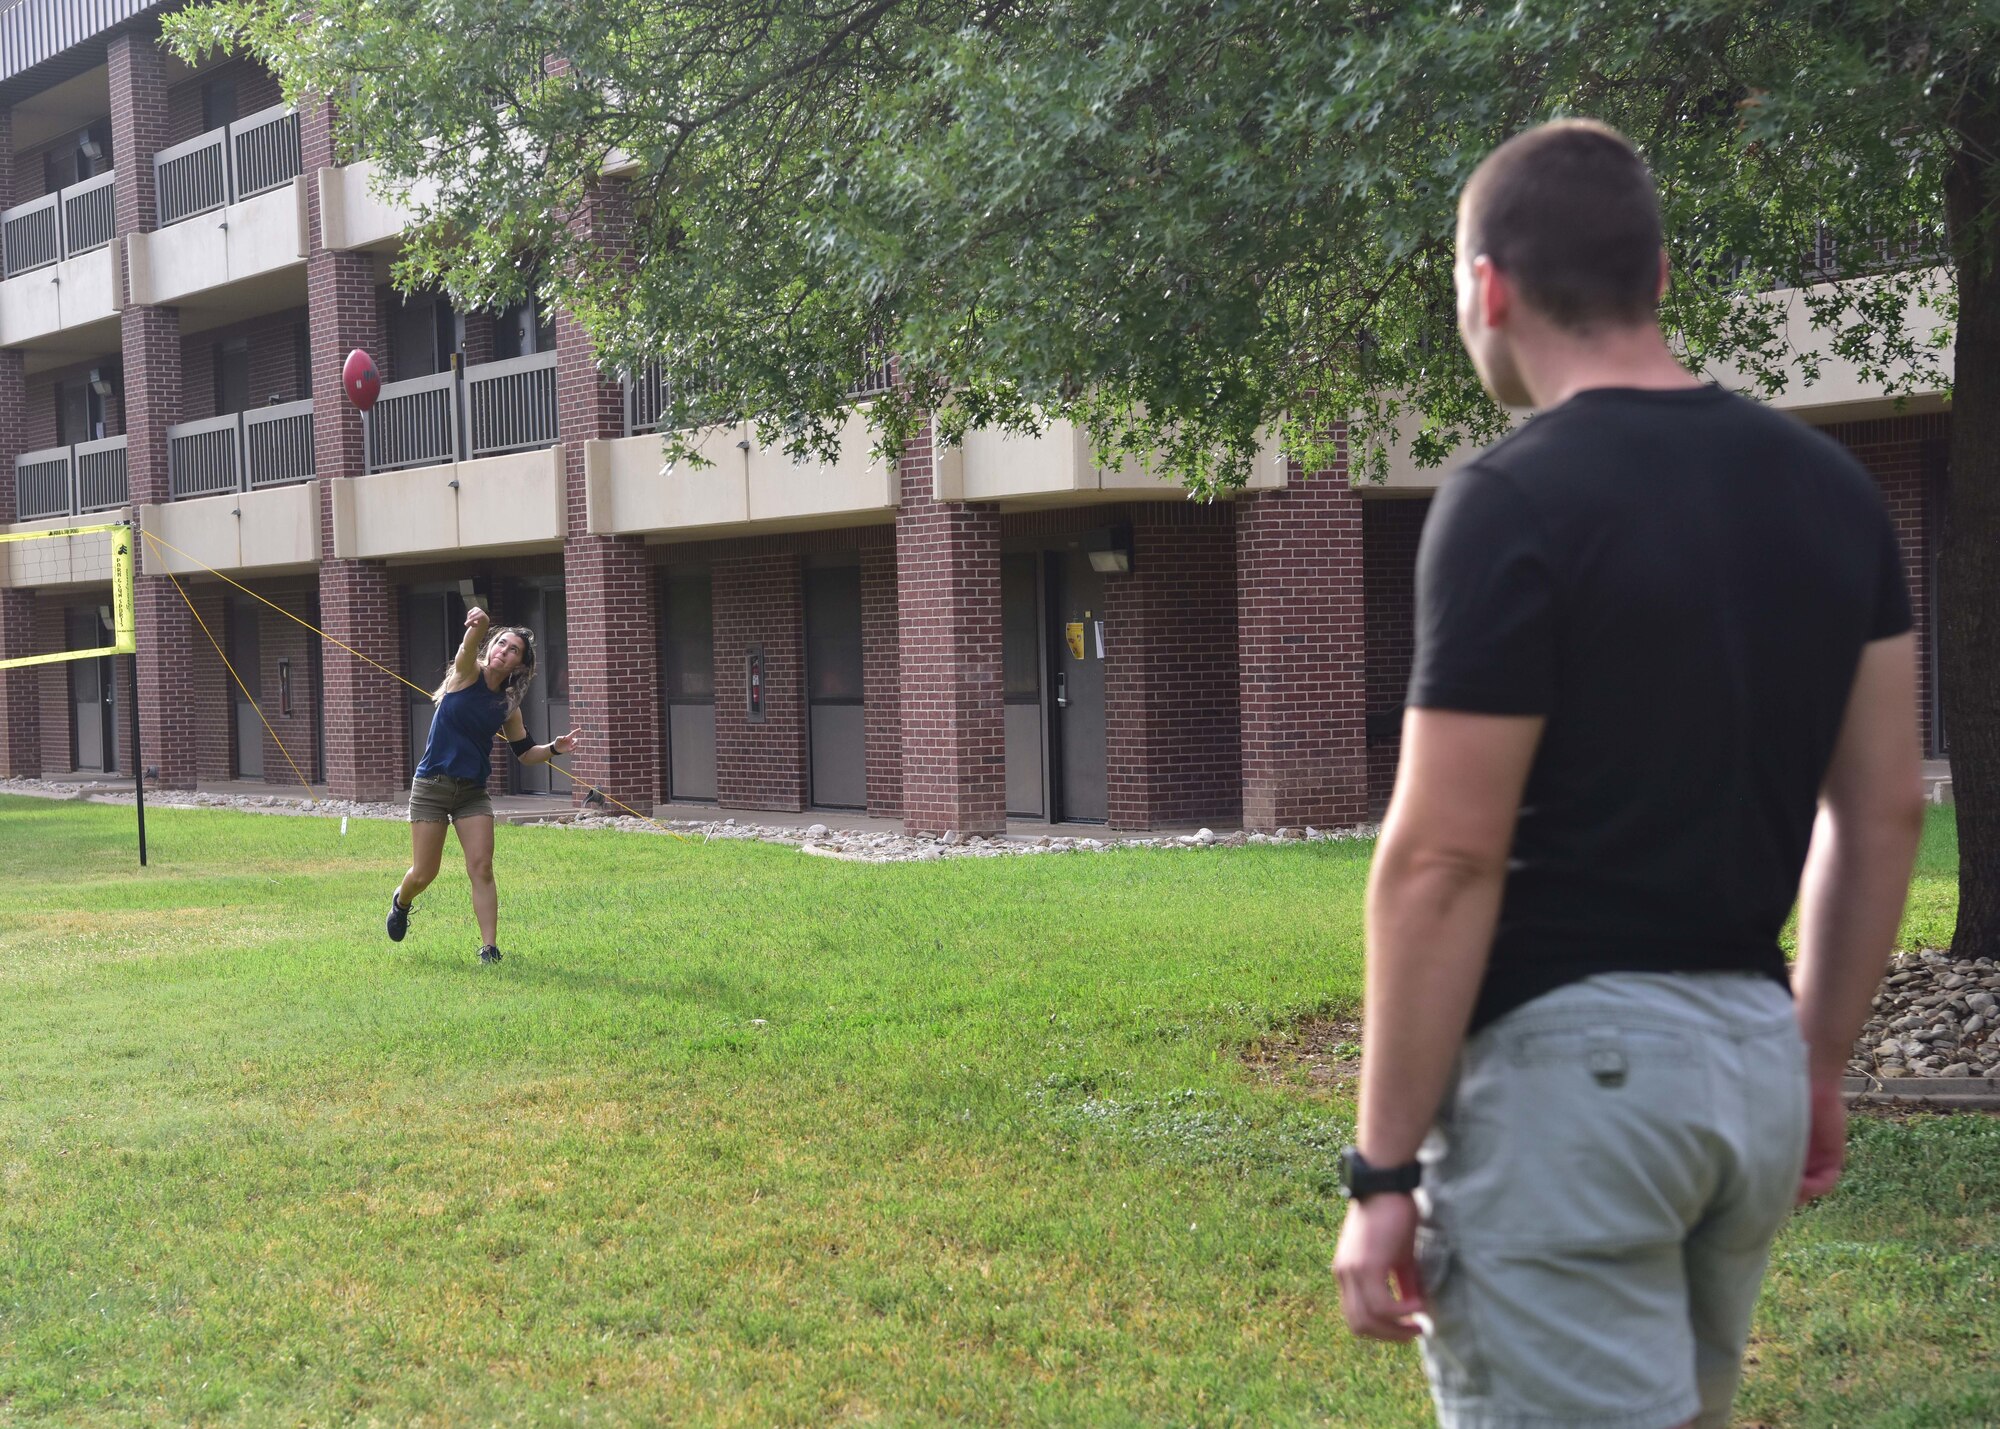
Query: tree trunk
[1968, 568]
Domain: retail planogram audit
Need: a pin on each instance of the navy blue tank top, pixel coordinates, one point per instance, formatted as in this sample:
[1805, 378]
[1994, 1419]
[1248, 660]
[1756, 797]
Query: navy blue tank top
[462, 731]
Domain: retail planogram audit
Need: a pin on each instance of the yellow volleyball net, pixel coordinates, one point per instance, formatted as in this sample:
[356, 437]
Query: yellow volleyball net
[74, 555]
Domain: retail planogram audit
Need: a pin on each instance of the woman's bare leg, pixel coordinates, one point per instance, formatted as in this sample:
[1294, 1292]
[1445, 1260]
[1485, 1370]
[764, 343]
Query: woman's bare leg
[426, 848]
[475, 837]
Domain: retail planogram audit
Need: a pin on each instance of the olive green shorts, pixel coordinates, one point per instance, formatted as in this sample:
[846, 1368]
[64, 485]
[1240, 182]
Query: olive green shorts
[439, 799]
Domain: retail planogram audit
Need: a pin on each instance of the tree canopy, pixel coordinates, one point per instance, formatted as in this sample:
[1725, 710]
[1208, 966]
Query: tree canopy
[1177, 222]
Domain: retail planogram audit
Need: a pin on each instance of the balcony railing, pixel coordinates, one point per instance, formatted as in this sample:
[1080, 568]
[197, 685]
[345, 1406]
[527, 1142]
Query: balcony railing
[101, 480]
[58, 225]
[278, 444]
[226, 165]
[460, 415]
[510, 406]
[241, 451]
[205, 458]
[90, 214]
[649, 393]
[70, 481]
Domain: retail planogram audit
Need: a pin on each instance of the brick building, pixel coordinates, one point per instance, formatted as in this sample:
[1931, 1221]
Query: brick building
[1001, 631]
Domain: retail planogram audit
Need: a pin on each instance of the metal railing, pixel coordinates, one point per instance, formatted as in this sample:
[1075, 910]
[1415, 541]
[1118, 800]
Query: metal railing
[59, 225]
[264, 149]
[102, 480]
[650, 393]
[414, 423]
[510, 406]
[241, 451]
[70, 481]
[278, 444]
[226, 165]
[461, 415]
[90, 214]
[44, 483]
[32, 234]
[192, 178]
[205, 457]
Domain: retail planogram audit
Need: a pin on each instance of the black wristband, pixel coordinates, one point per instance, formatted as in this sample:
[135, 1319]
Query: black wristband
[522, 745]
[1359, 1180]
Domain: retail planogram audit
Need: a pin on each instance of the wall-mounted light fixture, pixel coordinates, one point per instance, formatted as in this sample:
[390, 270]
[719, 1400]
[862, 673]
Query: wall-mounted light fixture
[89, 147]
[100, 382]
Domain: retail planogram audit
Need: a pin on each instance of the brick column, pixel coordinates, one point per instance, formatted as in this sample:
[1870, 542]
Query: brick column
[1301, 659]
[948, 616]
[881, 680]
[137, 69]
[20, 690]
[170, 644]
[367, 735]
[151, 338]
[608, 581]
[760, 604]
[1171, 700]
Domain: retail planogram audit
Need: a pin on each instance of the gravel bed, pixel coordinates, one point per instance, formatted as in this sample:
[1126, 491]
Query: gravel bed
[1934, 1017]
[821, 840]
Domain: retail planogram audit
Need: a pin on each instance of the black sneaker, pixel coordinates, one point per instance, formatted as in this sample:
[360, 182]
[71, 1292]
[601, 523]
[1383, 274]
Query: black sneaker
[399, 920]
[489, 954]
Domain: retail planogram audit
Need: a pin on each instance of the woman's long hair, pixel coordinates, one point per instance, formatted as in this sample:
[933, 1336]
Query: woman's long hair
[516, 688]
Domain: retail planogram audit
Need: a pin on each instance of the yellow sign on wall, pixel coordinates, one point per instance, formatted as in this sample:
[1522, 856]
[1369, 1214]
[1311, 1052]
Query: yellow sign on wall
[1073, 634]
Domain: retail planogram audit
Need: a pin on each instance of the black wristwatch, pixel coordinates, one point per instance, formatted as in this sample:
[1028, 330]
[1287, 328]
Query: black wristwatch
[1359, 1180]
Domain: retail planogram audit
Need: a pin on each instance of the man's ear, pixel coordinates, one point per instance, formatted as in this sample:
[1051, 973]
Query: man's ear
[1496, 293]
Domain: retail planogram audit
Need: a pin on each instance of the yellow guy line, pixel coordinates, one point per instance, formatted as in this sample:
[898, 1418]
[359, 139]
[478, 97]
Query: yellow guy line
[310, 796]
[169, 545]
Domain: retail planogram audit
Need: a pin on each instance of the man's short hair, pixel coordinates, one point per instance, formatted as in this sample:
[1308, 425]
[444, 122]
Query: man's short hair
[1568, 211]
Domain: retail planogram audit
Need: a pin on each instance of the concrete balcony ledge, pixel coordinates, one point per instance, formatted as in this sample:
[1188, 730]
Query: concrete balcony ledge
[70, 561]
[236, 242]
[352, 214]
[747, 486]
[267, 531]
[63, 296]
[1058, 468]
[495, 503]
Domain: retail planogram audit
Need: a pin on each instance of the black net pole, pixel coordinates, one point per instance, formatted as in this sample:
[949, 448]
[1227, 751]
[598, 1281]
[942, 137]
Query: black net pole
[138, 763]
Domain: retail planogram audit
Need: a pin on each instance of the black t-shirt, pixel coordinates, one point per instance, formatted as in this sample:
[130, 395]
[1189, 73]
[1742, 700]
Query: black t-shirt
[1681, 582]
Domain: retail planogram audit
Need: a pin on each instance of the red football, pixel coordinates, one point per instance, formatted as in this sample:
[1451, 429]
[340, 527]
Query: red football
[362, 381]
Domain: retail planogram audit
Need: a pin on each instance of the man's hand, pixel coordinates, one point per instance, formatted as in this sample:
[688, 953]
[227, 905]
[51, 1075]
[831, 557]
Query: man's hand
[1826, 1143]
[1378, 1240]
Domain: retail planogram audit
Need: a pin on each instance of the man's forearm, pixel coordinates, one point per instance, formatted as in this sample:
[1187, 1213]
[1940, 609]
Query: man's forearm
[1850, 907]
[1430, 932]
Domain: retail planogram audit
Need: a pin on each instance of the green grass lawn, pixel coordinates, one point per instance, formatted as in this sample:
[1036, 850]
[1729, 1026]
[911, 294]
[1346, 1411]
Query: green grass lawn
[738, 1136]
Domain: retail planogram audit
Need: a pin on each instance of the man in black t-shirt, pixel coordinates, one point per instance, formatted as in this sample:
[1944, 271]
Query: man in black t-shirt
[1664, 667]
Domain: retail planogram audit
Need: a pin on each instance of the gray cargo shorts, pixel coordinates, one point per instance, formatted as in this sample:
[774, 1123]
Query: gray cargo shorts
[1600, 1193]
[439, 798]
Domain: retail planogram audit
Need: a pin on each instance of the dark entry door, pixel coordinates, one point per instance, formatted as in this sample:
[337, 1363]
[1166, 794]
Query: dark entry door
[93, 692]
[546, 708]
[1077, 652]
[837, 719]
[687, 669]
[1024, 657]
[244, 655]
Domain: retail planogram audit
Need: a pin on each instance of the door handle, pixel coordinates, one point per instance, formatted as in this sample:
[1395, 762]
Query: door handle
[1062, 690]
